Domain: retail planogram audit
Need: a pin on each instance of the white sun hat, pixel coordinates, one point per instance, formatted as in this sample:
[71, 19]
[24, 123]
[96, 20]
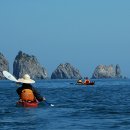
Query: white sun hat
[26, 79]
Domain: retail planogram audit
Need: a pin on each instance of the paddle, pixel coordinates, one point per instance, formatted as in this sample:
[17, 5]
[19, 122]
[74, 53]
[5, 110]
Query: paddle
[48, 103]
[72, 83]
[12, 78]
[9, 76]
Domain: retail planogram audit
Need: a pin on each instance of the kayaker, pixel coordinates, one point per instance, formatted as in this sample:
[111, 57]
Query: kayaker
[87, 81]
[27, 92]
[79, 81]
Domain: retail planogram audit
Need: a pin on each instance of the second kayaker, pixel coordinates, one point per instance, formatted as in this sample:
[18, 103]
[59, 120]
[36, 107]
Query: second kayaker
[87, 81]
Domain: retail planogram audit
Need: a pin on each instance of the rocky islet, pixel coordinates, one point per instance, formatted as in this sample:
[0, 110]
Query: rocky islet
[25, 63]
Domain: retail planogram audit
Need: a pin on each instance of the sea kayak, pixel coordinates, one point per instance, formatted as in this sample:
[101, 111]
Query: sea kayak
[91, 83]
[27, 104]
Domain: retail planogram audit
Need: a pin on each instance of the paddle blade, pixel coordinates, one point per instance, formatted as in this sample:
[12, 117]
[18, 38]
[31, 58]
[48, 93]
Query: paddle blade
[49, 103]
[9, 76]
[52, 105]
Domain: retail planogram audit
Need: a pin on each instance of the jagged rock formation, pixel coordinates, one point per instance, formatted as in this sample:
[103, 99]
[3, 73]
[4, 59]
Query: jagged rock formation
[4, 65]
[66, 71]
[118, 71]
[26, 64]
[103, 71]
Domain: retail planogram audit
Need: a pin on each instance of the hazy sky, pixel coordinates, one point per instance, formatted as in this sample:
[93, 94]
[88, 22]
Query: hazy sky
[85, 33]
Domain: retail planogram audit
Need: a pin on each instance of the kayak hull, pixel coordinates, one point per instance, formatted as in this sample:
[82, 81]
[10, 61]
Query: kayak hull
[27, 104]
[91, 83]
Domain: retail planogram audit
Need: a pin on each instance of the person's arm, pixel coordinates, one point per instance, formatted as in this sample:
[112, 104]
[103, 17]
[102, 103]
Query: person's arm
[89, 81]
[37, 95]
[19, 91]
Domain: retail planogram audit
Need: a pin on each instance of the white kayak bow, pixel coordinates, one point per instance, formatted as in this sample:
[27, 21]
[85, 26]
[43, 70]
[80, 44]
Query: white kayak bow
[9, 76]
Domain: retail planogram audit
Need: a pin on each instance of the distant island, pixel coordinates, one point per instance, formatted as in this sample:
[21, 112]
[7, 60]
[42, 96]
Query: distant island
[103, 71]
[25, 63]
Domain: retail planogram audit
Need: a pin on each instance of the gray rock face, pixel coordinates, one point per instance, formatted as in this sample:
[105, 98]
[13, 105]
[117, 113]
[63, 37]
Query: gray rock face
[118, 71]
[4, 65]
[66, 71]
[26, 64]
[103, 71]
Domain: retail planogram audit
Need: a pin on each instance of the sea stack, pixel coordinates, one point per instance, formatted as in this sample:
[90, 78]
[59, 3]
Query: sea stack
[28, 64]
[103, 71]
[66, 71]
[4, 65]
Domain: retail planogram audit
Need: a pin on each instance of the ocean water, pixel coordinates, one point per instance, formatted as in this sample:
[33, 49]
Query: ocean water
[104, 106]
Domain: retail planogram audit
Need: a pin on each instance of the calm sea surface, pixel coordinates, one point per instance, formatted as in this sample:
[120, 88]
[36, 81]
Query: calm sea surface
[104, 106]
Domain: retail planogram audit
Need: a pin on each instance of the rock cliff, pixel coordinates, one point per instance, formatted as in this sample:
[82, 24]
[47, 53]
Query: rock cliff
[26, 64]
[103, 71]
[4, 65]
[118, 71]
[66, 71]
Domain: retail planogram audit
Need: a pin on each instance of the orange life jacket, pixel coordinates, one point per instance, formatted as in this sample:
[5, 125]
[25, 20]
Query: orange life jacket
[27, 95]
[87, 81]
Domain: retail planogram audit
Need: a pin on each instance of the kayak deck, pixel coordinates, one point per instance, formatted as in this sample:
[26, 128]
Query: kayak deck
[27, 104]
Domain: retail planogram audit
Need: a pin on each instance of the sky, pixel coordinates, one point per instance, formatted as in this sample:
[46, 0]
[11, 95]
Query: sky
[84, 33]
